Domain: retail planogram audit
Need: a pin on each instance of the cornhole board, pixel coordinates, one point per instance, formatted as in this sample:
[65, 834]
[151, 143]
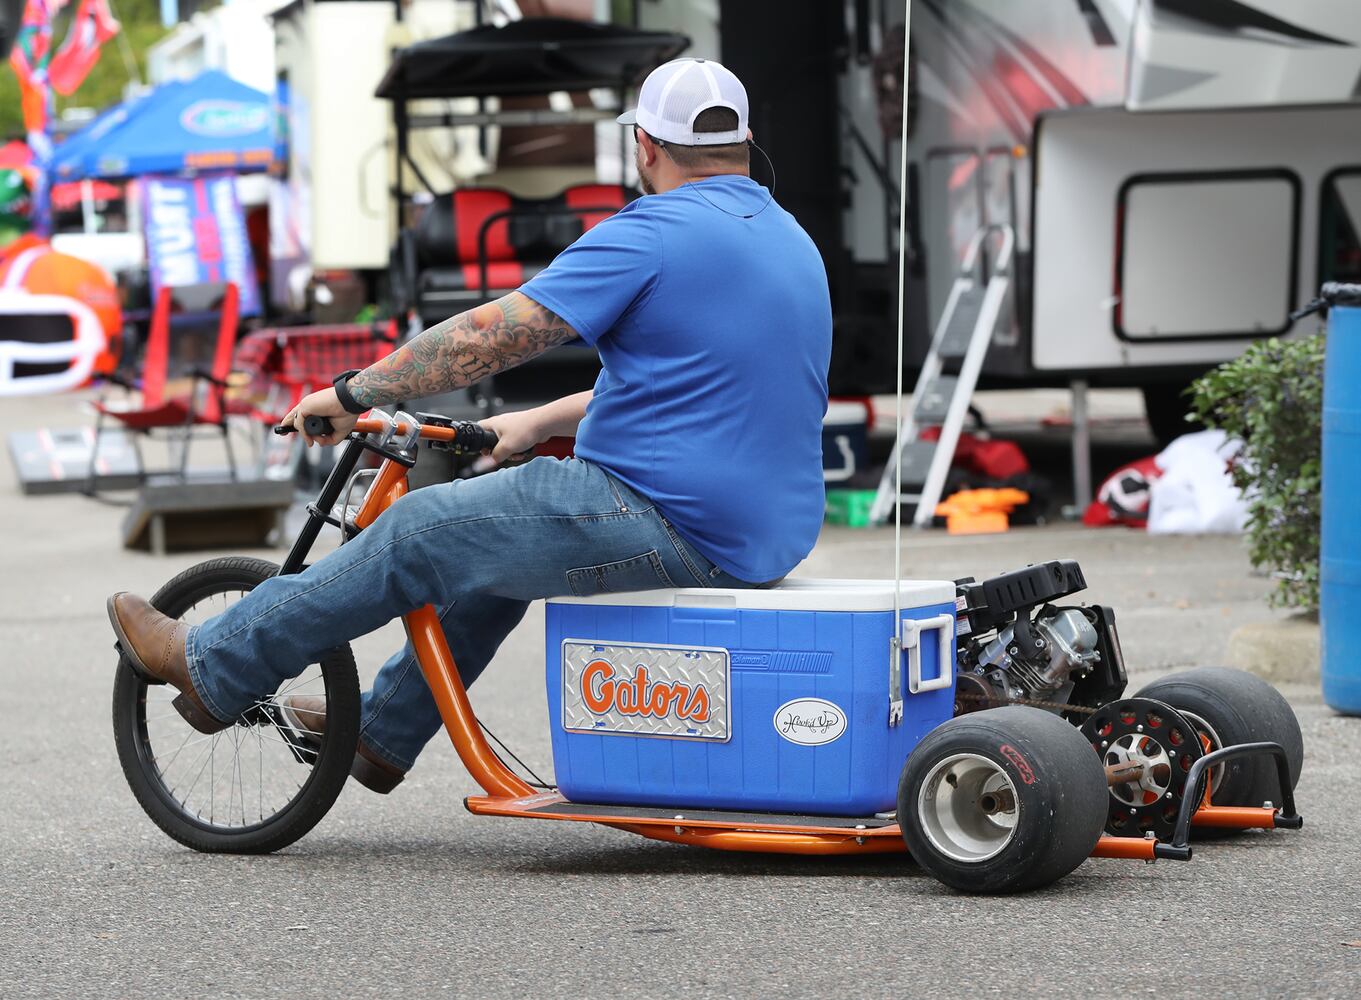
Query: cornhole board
[174, 514]
[57, 460]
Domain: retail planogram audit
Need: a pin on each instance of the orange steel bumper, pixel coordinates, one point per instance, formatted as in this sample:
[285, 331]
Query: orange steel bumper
[1235, 817]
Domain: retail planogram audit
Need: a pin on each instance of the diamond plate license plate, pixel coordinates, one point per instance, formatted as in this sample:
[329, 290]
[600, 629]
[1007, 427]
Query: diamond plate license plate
[672, 692]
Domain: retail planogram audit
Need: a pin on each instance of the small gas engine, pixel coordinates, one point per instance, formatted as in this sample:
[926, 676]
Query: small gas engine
[1015, 646]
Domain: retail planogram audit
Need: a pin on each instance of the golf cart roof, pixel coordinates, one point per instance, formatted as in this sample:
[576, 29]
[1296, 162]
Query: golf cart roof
[536, 56]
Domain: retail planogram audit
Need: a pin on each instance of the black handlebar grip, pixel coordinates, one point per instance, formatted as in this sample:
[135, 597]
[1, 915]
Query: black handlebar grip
[314, 426]
[474, 438]
[317, 426]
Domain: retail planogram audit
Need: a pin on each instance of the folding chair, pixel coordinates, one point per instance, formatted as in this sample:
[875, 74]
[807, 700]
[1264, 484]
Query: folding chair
[203, 405]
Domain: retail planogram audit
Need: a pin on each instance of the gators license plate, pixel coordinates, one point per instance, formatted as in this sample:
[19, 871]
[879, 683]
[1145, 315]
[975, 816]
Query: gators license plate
[672, 692]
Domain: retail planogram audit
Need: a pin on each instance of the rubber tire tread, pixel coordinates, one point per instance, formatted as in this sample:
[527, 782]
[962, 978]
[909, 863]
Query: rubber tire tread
[1062, 812]
[1241, 708]
[329, 773]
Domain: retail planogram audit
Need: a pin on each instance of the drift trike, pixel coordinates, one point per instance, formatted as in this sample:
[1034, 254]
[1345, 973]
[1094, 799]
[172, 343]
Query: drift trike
[1011, 756]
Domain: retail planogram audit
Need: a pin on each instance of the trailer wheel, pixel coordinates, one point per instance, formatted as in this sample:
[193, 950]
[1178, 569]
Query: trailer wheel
[1230, 707]
[1003, 800]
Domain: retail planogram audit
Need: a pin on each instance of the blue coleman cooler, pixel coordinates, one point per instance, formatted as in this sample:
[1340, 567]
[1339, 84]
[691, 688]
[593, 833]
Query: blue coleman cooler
[790, 699]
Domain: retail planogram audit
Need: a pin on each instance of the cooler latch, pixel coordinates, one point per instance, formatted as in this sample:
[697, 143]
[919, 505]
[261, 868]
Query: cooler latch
[909, 641]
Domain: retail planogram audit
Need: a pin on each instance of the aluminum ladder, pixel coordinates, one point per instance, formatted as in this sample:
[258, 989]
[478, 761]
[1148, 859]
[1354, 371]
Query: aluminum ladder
[965, 329]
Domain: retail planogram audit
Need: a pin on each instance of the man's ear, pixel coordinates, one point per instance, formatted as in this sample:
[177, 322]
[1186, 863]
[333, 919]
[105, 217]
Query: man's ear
[648, 147]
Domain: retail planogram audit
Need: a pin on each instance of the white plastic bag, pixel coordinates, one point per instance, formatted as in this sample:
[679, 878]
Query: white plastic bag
[1195, 494]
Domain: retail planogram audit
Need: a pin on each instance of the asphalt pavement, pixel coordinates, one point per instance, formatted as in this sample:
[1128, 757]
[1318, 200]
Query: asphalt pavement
[409, 895]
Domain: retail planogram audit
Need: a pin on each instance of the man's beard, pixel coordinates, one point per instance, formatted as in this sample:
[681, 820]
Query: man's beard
[644, 181]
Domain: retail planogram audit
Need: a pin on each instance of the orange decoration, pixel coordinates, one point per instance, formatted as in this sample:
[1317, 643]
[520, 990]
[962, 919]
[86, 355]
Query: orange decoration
[47, 272]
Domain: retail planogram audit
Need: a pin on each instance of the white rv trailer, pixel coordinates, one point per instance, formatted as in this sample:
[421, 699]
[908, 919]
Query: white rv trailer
[1179, 174]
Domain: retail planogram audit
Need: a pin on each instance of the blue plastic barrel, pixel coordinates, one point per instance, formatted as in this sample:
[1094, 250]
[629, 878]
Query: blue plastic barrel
[1340, 569]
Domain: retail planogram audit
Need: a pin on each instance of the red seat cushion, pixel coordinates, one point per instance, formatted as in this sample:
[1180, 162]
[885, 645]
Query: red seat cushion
[447, 233]
[610, 196]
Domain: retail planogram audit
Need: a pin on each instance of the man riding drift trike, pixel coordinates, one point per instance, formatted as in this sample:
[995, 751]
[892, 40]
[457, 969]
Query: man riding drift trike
[697, 477]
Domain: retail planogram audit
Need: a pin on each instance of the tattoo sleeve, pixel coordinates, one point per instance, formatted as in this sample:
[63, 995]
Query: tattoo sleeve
[462, 350]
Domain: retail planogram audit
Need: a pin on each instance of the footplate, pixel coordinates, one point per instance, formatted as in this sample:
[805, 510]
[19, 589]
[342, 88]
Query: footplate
[552, 805]
[734, 831]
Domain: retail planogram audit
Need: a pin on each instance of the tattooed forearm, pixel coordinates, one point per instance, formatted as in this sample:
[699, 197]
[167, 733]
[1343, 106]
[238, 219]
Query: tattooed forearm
[462, 350]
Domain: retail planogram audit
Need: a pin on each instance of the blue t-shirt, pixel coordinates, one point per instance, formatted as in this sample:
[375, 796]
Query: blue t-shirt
[714, 333]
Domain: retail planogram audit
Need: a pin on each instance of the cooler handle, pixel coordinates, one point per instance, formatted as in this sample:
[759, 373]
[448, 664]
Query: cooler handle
[944, 624]
[911, 643]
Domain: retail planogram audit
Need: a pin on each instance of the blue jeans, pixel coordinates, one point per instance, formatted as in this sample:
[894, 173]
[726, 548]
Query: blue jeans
[479, 550]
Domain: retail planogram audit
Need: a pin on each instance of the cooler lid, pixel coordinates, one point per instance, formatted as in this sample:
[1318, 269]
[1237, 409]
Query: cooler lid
[793, 594]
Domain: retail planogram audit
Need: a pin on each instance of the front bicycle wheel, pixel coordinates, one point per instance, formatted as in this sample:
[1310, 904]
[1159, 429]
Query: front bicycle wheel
[258, 785]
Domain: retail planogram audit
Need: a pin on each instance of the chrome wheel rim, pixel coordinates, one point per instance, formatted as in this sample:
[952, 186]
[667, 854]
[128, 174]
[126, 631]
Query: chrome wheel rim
[968, 808]
[1155, 775]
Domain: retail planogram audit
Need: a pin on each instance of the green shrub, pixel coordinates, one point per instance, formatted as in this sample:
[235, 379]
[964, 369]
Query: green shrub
[1271, 398]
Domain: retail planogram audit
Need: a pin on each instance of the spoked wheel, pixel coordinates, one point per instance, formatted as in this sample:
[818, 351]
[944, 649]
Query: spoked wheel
[1161, 745]
[1002, 800]
[258, 785]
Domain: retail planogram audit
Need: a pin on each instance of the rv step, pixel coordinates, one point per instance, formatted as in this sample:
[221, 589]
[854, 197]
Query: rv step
[959, 331]
[933, 406]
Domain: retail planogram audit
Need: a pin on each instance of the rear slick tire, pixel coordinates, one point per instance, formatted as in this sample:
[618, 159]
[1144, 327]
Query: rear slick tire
[319, 774]
[1232, 707]
[1004, 800]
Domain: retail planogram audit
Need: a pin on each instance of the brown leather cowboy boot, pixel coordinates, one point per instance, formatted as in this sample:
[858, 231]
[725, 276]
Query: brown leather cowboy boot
[306, 715]
[154, 645]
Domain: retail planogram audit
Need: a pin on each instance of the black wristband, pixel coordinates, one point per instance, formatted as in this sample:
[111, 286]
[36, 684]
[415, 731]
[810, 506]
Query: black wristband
[342, 388]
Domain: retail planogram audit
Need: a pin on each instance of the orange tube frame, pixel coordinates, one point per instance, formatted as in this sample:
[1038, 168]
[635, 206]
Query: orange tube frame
[437, 662]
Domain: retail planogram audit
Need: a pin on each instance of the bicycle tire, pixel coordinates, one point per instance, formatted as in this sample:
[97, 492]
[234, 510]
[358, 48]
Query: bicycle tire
[329, 769]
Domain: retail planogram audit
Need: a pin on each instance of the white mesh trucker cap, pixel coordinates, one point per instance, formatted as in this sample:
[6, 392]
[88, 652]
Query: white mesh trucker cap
[675, 93]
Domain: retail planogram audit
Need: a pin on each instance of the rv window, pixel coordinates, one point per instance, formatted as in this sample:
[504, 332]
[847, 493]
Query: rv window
[1339, 251]
[1206, 255]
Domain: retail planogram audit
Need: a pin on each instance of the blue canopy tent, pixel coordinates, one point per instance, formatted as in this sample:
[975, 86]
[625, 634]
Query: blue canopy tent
[183, 140]
[209, 123]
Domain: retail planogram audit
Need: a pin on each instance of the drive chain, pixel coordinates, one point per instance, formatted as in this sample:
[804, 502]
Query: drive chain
[1050, 705]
